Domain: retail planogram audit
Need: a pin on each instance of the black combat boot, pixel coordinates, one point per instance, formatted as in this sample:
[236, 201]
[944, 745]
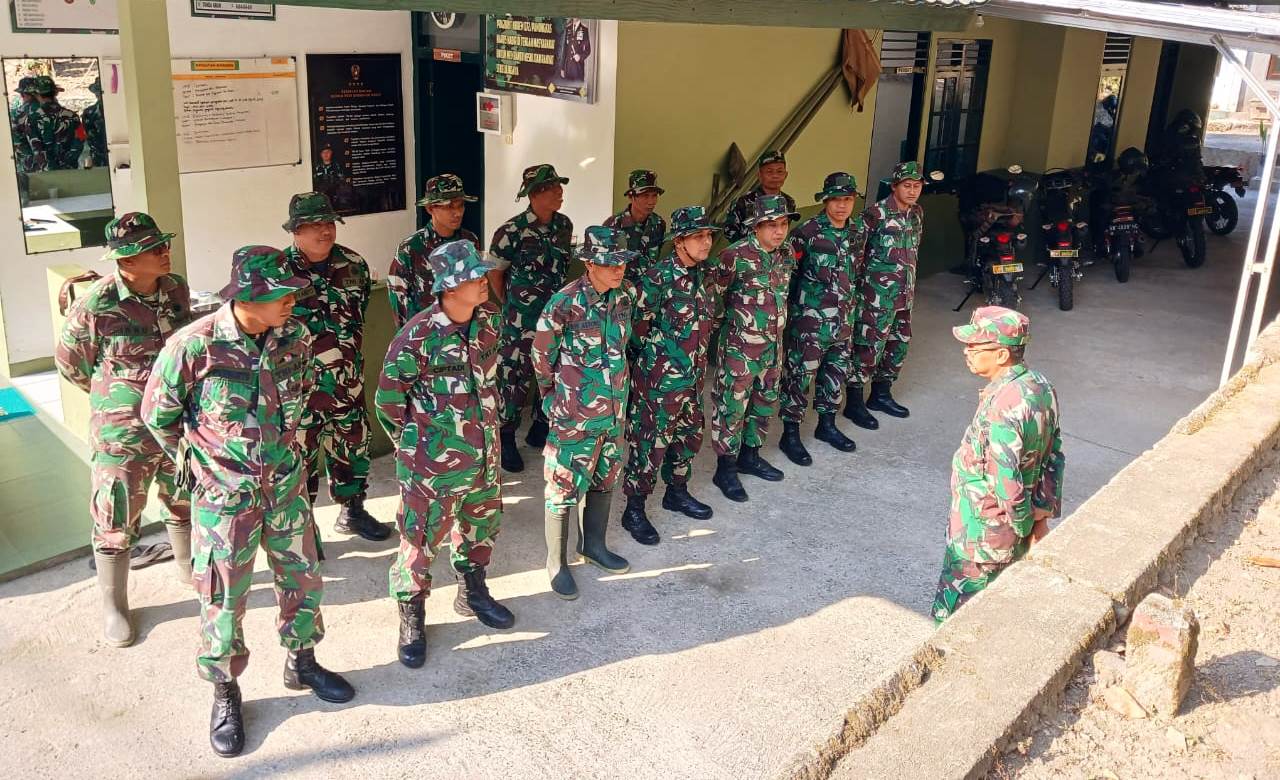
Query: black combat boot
[726, 478]
[226, 726]
[750, 462]
[511, 460]
[828, 432]
[536, 436]
[637, 522]
[474, 600]
[302, 671]
[595, 524]
[412, 647]
[556, 530]
[855, 409]
[677, 499]
[791, 445]
[882, 401]
[355, 519]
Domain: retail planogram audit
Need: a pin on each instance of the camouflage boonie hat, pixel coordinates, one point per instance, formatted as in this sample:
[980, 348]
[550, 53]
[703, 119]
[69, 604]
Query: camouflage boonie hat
[442, 189]
[771, 156]
[43, 85]
[456, 262]
[131, 234]
[537, 175]
[995, 325]
[26, 85]
[769, 207]
[690, 219]
[605, 246]
[96, 87]
[307, 207]
[260, 274]
[641, 180]
[906, 170]
[837, 185]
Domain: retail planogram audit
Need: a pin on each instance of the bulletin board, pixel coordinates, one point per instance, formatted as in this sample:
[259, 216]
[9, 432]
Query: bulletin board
[236, 113]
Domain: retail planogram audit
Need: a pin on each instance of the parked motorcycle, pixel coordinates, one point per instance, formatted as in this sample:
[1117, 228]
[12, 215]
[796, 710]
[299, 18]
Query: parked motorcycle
[1220, 178]
[992, 207]
[1177, 184]
[1115, 205]
[1065, 232]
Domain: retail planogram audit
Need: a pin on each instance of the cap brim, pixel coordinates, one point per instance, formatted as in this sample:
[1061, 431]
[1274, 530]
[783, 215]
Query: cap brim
[148, 244]
[965, 333]
[638, 190]
[621, 257]
[475, 272]
[820, 196]
[424, 201]
[790, 215]
[233, 292]
[692, 230]
[292, 224]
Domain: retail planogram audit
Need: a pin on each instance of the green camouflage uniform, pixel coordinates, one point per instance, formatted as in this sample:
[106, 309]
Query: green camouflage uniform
[438, 401]
[57, 131]
[1008, 465]
[410, 280]
[20, 117]
[226, 406]
[645, 238]
[740, 212]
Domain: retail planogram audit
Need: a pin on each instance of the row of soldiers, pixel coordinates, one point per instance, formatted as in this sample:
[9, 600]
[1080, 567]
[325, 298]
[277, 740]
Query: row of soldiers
[48, 136]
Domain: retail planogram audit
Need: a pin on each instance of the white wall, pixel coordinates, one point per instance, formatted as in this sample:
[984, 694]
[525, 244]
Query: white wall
[222, 210]
[576, 138]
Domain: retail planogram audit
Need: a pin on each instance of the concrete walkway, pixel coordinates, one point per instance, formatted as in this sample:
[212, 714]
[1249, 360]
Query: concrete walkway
[725, 652]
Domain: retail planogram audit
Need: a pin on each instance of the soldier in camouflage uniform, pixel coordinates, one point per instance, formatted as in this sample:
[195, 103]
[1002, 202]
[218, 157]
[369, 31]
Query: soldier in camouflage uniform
[531, 257]
[1006, 477]
[225, 400]
[335, 428]
[95, 127]
[57, 130]
[823, 308]
[20, 124]
[438, 401]
[754, 276]
[886, 291]
[773, 174]
[674, 314]
[579, 357]
[644, 228]
[108, 344]
[410, 281]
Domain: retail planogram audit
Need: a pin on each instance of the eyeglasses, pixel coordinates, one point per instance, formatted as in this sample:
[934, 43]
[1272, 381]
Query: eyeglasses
[972, 348]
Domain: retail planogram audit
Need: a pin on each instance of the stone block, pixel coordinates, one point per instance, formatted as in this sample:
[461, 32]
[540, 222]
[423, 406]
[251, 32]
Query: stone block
[1160, 653]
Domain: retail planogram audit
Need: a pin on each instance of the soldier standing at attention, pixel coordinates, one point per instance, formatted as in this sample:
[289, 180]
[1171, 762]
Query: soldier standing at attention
[754, 275]
[225, 400]
[674, 314]
[107, 347]
[579, 356]
[335, 428]
[95, 127]
[438, 401]
[823, 308]
[61, 135]
[644, 228]
[773, 174]
[20, 117]
[1006, 477]
[410, 281]
[531, 253]
[886, 290]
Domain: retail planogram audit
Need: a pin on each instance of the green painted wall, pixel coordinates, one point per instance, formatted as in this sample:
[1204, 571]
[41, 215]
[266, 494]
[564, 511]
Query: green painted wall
[1139, 91]
[1193, 80]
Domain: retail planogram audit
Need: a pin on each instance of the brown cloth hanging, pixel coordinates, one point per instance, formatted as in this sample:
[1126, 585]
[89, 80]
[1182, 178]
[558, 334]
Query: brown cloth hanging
[860, 64]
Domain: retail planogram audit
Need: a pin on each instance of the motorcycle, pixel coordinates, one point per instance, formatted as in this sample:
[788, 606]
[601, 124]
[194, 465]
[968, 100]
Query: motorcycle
[1120, 240]
[992, 207]
[1181, 209]
[1065, 231]
[1225, 214]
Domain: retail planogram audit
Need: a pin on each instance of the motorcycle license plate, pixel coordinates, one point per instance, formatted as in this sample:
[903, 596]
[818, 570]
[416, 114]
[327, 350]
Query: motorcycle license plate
[1064, 253]
[1199, 211]
[1007, 268]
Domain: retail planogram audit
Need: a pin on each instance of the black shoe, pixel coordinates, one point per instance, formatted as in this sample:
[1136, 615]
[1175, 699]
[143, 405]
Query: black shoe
[882, 401]
[302, 671]
[726, 478]
[791, 445]
[354, 519]
[226, 726]
[595, 524]
[855, 409]
[536, 437]
[637, 523]
[750, 462]
[677, 499]
[413, 635]
[474, 600]
[828, 432]
[511, 460]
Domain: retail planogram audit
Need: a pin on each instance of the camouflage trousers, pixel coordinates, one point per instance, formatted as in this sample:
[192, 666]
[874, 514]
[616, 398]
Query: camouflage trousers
[119, 493]
[809, 357]
[746, 397]
[515, 369]
[663, 431]
[571, 468]
[962, 579]
[227, 530]
[470, 522]
[880, 344]
[337, 441]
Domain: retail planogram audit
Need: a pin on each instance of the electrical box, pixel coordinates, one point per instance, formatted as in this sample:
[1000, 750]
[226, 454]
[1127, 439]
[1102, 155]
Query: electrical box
[495, 113]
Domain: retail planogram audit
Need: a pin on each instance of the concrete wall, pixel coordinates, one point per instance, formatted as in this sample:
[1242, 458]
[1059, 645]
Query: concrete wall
[1193, 80]
[1139, 90]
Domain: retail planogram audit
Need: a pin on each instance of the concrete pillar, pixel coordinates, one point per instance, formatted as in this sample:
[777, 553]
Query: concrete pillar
[153, 143]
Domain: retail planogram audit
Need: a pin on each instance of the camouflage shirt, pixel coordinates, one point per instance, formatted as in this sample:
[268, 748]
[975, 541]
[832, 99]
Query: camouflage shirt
[674, 317]
[107, 347]
[735, 228]
[25, 145]
[95, 132]
[226, 411]
[60, 134]
[410, 279]
[643, 237]
[753, 286]
[333, 312]
[1009, 463]
[889, 256]
[823, 293]
[438, 401]
[536, 259]
[579, 357]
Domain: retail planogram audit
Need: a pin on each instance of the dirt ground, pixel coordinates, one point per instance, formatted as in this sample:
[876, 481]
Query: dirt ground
[1229, 723]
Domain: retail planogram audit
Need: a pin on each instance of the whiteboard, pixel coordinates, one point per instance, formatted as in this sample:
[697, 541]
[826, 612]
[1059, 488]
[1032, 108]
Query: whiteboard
[236, 113]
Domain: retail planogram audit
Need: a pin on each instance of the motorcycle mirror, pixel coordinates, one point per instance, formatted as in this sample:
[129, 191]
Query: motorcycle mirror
[937, 175]
[1015, 169]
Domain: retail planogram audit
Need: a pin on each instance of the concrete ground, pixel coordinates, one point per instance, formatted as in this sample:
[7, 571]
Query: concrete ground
[729, 648]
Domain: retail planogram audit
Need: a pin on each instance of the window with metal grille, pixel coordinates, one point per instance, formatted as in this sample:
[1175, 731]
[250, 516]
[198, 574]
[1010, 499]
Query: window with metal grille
[956, 106]
[903, 52]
